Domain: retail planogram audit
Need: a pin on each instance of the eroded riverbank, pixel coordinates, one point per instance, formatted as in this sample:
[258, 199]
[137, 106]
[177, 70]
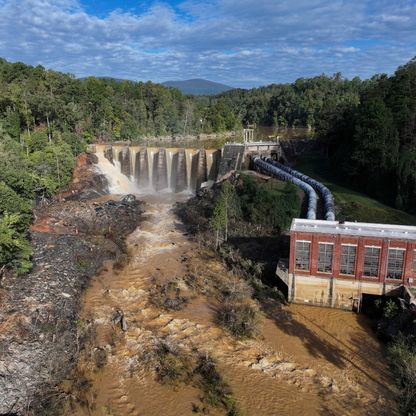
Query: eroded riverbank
[305, 361]
[40, 335]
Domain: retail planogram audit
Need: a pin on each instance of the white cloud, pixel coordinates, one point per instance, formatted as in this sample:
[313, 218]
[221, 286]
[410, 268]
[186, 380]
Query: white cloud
[241, 42]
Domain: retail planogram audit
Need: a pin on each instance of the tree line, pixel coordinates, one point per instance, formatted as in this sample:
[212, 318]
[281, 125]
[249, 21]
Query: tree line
[300, 104]
[102, 108]
[371, 144]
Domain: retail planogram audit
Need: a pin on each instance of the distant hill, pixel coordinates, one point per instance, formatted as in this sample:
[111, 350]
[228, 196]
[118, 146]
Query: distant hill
[198, 86]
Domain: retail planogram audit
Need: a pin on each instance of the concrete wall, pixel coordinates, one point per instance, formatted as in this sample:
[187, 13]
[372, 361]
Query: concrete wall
[237, 156]
[332, 292]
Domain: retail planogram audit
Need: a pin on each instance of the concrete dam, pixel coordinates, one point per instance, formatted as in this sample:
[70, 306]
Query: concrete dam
[158, 169]
[176, 169]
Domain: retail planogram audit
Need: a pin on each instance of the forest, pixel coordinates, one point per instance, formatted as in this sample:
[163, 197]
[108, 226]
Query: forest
[368, 129]
[371, 144]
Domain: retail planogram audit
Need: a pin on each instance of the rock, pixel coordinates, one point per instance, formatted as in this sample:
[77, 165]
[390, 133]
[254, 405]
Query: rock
[288, 367]
[123, 322]
[86, 182]
[118, 318]
[334, 388]
[309, 372]
[129, 199]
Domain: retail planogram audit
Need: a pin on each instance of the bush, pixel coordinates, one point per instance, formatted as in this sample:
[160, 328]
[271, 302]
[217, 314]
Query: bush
[52, 167]
[402, 354]
[171, 365]
[216, 390]
[11, 202]
[167, 296]
[174, 365]
[268, 204]
[241, 319]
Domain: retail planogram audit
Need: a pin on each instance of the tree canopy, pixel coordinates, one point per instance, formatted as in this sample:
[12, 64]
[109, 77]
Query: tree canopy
[372, 143]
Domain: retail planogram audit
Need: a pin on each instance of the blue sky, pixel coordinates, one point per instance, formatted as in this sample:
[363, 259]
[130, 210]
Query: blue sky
[241, 43]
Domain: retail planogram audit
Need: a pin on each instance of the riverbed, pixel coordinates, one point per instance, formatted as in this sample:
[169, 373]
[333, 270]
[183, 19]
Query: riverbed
[307, 360]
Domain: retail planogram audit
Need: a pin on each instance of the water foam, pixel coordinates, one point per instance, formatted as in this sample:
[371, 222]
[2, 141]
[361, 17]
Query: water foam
[118, 182]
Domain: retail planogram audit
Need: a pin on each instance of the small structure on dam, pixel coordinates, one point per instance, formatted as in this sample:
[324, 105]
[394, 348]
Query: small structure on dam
[334, 264]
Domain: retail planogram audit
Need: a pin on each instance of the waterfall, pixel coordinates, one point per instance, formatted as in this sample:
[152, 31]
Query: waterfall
[118, 182]
[135, 169]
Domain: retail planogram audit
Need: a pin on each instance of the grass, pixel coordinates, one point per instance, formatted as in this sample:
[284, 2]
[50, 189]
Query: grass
[351, 205]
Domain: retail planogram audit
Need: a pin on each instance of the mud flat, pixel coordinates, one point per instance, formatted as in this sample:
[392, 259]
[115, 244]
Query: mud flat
[305, 361]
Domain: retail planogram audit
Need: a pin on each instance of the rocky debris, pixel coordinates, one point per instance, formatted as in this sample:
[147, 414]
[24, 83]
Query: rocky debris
[119, 319]
[86, 182]
[82, 217]
[40, 332]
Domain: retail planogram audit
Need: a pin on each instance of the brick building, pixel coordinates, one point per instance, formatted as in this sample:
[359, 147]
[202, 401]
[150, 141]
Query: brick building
[334, 264]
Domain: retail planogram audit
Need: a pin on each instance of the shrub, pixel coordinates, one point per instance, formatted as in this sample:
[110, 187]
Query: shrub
[268, 204]
[217, 392]
[390, 309]
[241, 319]
[15, 251]
[168, 297]
[171, 365]
[11, 203]
[402, 354]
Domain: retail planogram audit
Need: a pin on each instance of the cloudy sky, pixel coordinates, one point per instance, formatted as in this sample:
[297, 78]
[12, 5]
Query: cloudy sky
[238, 42]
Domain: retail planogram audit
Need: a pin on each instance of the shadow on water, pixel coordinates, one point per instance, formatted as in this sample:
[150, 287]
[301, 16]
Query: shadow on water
[316, 346]
[333, 349]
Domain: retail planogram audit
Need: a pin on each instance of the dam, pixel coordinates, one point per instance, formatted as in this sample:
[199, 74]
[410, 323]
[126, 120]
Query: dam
[160, 168]
[178, 169]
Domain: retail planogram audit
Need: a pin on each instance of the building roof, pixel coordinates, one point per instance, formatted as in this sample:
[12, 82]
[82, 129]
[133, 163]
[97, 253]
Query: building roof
[403, 232]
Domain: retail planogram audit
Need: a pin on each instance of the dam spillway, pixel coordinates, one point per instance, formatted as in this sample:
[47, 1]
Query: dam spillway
[158, 169]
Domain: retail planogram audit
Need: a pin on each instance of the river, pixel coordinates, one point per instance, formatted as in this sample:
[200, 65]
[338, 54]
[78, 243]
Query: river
[307, 360]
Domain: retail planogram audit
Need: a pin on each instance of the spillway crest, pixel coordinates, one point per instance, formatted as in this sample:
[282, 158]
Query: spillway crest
[132, 168]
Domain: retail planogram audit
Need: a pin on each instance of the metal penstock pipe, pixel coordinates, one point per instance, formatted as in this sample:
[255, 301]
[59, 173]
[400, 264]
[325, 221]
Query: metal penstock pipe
[272, 170]
[318, 186]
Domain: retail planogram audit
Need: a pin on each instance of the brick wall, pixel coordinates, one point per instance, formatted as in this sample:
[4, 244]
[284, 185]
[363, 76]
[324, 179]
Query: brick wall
[360, 242]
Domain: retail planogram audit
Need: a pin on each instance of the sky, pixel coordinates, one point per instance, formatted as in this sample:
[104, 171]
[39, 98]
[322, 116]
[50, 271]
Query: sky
[242, 43]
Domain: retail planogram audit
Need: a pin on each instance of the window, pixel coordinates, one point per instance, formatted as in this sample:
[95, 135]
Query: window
[395, 263]
[414, 260]
[371, 261]
[303, 249]
[325, 257]
[348, 255]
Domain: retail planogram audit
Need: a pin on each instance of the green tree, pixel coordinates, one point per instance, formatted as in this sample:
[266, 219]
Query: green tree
[15, 251]
[226, 210]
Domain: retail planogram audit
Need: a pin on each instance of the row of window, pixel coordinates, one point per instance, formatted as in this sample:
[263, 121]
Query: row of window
[395, 260]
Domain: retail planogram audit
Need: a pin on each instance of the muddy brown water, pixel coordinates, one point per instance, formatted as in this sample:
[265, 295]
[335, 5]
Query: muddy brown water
[308, 360]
